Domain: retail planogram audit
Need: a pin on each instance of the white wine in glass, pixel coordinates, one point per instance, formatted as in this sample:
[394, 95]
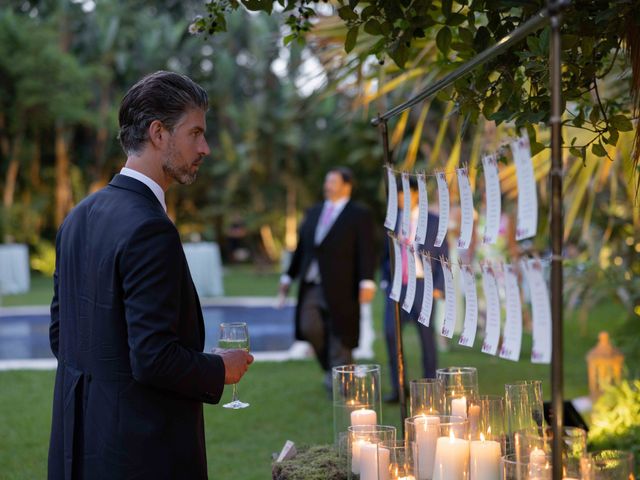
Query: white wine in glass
[234, 336]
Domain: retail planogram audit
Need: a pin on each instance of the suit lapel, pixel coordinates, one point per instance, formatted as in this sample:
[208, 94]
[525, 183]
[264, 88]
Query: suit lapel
[338, 223]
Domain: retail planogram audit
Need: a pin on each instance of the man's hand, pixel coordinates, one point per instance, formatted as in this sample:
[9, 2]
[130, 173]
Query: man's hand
[283, 291]
[236, 363]
[367, 294]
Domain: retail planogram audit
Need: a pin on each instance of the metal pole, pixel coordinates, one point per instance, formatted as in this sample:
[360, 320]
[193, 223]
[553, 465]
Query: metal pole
[556, 238]
[399, 346]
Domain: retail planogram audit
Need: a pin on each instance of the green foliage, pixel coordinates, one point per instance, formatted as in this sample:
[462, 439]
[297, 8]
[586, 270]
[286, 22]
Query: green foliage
[43, 259]
[615, 420]
[319, 462]
[510, 88]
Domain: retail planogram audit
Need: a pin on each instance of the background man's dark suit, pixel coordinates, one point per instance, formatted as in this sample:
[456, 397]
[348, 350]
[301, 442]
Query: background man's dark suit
[345, 257]
[131, 377]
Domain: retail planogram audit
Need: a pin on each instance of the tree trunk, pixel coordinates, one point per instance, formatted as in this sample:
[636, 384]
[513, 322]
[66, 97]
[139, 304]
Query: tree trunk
[12, 172]
[64, 201]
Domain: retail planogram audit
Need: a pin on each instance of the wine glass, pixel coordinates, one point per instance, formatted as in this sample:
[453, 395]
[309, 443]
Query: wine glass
[234, 335]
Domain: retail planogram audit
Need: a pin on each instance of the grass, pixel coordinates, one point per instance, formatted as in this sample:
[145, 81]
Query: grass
[287, 399]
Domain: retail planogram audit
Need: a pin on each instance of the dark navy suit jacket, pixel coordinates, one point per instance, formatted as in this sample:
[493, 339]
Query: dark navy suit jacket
[128, 333]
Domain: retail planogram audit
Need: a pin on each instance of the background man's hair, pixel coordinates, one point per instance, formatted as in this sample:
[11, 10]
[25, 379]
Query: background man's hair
[163, 96]
[345, 173]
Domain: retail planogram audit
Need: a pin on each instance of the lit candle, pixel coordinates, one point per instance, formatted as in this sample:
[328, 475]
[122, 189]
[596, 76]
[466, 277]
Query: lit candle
[459, 407]
[374, 462]
[427, 432]
[538, 464]
[485, 459]
[356, 447]
[474, 420]
[452, 458]
[364, 416]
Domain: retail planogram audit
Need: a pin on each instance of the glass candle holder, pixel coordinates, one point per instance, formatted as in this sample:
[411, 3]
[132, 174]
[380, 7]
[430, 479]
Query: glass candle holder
[437, 446]
[460, 389]
[491, 424]
[608, 465]
[426, 397]
[399, 468]
[534, 467]
[524, 409]
[574, 447]
[356, 397]
[368, 458]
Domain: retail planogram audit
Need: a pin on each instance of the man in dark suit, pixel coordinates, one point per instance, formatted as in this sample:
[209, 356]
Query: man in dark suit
[334, 261]
[426, 338]
[126, 324]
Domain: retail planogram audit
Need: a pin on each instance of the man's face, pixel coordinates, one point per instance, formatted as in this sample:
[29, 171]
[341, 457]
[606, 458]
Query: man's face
[186, 148]
[335, 187]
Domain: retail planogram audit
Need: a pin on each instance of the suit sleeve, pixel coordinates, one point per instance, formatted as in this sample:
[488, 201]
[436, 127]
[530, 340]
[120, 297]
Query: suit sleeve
[152, 267]
[365, 250]
[296, 260]
[54, 326]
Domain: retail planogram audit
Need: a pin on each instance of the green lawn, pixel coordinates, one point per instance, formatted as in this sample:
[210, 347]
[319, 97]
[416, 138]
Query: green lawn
[287, 399]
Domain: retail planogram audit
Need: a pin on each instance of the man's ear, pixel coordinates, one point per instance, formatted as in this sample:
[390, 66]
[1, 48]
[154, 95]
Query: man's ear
[157, 133]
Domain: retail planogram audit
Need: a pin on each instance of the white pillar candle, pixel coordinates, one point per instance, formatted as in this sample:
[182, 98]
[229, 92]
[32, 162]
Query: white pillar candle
[459, 407]
[374, 462]
[484, 461]
[427, 433]
[538, 465]
[452, 459]
[474, 420]
[364, 416]
[356, 446]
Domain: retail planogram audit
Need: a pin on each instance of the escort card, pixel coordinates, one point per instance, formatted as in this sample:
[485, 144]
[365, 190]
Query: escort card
[406, 207]
[512, 340]
[443, 198]
[466, 208]
[493, 199]
[527, 196]
[470, 326]
[410, 294]
[449, 323]
[492, 324]
[392, 201]
[396, 286]
[541, 308]
[427, 296]
[423, 217]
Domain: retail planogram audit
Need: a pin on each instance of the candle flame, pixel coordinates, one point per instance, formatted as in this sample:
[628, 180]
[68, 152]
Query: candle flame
[488, 430]
[482, 437]
[451, 436]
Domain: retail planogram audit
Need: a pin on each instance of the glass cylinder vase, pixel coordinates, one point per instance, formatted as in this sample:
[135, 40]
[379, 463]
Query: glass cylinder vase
[356, 397]
[460, 389]
[534, 467]
[426, 397]
[368, 457]
[437, 446]
[524, 409]
[608, 465]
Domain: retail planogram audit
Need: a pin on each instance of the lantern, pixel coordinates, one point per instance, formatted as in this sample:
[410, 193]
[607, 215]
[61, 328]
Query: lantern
[604, 364]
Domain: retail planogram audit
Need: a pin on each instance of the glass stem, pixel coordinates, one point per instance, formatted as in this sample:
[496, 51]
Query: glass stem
[234, 395]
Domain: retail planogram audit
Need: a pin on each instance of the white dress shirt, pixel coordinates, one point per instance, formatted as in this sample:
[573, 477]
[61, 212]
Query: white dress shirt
[155, 188]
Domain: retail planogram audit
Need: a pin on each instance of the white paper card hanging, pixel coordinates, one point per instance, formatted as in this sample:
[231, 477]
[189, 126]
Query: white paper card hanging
[493, 199]
[443, 200]
[492, 322]
[541, 309]
[527, 223]
[405, 225]
[396, 286]
[466, 208]
[410, 294]
[392, 201]
[512, 338]
[470, 325]
[449, 324]
[427, 295]
[423, 204]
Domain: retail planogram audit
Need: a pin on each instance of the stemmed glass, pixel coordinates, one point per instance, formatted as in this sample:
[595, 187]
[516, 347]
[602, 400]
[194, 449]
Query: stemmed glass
[234, 336]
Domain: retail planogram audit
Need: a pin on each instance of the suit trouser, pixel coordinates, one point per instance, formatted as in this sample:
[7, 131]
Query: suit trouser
[427, 340]
[315, 326]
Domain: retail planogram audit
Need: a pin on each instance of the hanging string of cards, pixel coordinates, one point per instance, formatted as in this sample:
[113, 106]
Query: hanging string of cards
[410, 246]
